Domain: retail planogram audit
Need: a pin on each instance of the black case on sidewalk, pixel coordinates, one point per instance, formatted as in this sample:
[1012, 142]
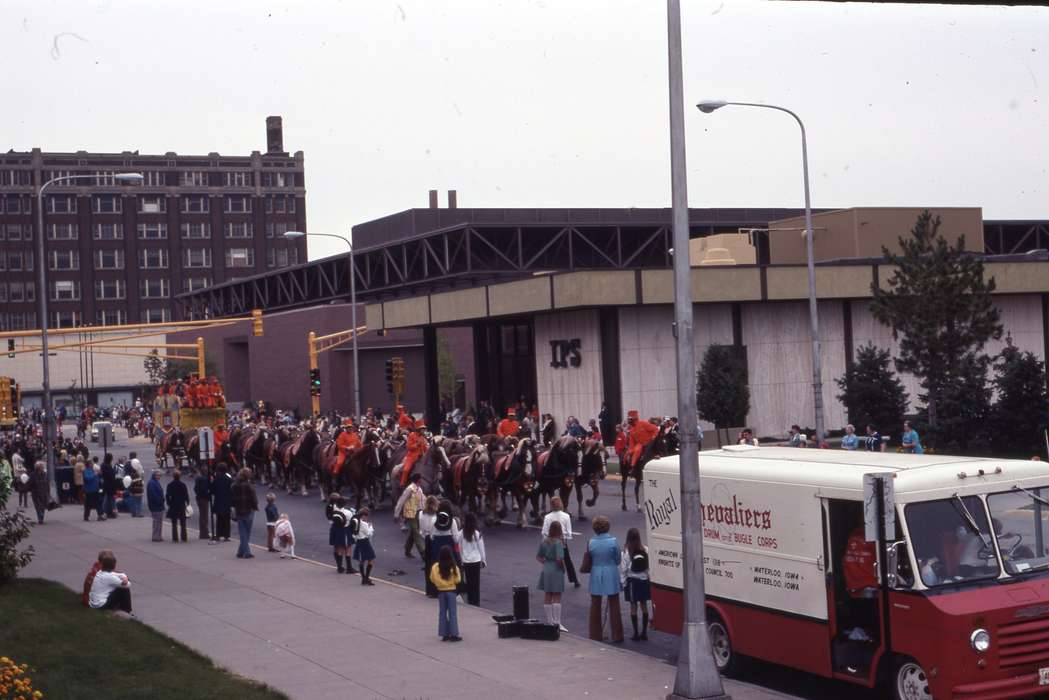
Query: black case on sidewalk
[533, 629]
[512, 628]
[521, 602]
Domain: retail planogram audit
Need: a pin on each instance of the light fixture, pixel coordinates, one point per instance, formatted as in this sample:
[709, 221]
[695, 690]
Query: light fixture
[294, 234]
[129, 177]
[708, 106]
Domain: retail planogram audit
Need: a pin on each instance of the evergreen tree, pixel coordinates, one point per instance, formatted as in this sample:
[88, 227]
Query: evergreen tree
[155, 367]
[447, 377]
[1021, 413]
[871, 392]
[940, 309]
[965, 408]
[722, 393]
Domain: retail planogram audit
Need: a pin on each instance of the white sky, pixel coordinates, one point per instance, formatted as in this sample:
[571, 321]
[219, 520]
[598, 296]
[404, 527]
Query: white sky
[549, 103]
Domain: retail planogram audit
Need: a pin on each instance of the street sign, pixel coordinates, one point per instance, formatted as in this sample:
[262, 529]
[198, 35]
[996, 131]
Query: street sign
[105, 435]
[207, 443]
[879, 503]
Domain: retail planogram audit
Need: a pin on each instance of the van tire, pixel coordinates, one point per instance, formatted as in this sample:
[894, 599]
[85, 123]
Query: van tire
[726, 658]
[908, 680]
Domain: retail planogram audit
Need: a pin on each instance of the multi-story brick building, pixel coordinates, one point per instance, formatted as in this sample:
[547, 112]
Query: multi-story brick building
[119, 253]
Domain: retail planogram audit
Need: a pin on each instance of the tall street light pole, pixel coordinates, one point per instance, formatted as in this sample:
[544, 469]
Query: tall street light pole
[42, 293]
[708, 106]
[697, 674]
[353, 313]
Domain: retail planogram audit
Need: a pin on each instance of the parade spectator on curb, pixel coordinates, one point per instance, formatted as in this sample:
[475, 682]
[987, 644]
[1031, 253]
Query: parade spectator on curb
[177, 497]
[873, 442]
[850, 441]
[474, 558]
[602, 563]
[551, 556]
[444, 575]
[604, 422]
[558, 515]
[133, 494]
[911, 444]
[339, 535]
[633, 569]
[40, 488]
[285, 535]
[78, 479]
[746, 437]
[6, 480]
[202, 492]
[18, 471]
[92, 493]
[110, 590]
[363, 552]
[272, 514]
[90, 578]
[446, 530]
[245, 504]
[109, 487]
[427, 518]
[221, 502]
[797, 438]
[408, 507]
[155, 503]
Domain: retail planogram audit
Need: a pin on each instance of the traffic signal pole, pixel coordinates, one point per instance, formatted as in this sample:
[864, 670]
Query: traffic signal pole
[315, 399]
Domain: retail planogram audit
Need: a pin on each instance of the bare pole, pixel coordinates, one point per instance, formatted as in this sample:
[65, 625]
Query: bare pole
[697, 674]
[353, 314]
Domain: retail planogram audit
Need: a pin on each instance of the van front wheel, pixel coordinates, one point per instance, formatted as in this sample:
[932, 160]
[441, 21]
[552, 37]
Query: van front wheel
[910, 681]
[725, 657]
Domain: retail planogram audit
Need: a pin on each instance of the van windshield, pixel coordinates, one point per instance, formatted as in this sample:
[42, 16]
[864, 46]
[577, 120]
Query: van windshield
[952, 541]
[1021, 522]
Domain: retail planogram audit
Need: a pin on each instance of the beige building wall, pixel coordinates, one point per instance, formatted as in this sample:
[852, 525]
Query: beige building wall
[569, 391]
[861, 232]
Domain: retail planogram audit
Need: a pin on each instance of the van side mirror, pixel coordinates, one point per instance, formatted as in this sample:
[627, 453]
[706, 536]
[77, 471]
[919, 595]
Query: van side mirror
[898, 566]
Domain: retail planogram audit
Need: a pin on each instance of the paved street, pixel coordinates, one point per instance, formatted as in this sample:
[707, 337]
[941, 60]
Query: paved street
[511, 562]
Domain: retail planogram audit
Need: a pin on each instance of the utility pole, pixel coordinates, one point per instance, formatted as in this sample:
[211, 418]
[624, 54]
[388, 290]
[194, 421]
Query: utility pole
[697, 674]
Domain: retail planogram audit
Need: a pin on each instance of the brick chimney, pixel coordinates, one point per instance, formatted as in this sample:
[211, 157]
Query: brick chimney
[433, 199]
[453, 199]
[274, 135]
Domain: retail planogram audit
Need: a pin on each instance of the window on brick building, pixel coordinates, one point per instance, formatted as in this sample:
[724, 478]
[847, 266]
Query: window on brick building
[196, 257]
[193, 178]
[65, 290]
[64, 260]
[152, 231]
[192, 284]
[152, 258]
[110, 317]
[154, 288]
[195, 204]
[239, 229]
[152, 204]
[240, 204]
[109, 232]
[60, 204]
[62, 232]
[156, 315]
[110, 289]
[109, 259]
[106, 204]
[240, 257]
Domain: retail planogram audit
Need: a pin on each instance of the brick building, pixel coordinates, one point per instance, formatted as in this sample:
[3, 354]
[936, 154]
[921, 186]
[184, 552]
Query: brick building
[119, 253]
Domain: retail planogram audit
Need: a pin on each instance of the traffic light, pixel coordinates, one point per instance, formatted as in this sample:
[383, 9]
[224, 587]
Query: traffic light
[397, 379]
[389, 376]
[10, 347]
[315, 382]
[256, 322]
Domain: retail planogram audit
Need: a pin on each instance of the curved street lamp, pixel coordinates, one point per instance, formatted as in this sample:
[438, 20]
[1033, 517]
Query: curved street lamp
[353, 312]
[42, 295]
[708, 106]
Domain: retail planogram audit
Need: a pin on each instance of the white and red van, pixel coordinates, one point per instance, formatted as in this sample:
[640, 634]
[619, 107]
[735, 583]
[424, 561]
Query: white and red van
[958, 600]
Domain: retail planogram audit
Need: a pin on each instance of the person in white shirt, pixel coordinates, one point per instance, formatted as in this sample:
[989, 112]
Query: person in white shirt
[110, 590]
[427, 519]
[558, 515]
[284, 535]
[474, 559]
[363, 551]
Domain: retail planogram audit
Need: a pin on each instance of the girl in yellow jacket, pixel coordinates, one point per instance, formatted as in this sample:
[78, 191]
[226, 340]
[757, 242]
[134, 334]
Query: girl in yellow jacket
[445, 577]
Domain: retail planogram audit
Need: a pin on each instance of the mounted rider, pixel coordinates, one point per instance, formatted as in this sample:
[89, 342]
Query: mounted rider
[346, 440]
[404, 419]
[640, 434]
[417, 446]
[509, 427]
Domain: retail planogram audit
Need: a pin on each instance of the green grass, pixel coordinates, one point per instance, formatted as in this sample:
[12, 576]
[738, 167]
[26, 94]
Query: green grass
[77, 652]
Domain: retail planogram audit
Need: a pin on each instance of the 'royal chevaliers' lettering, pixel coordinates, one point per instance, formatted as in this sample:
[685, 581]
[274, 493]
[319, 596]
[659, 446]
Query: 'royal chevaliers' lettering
[736, 514]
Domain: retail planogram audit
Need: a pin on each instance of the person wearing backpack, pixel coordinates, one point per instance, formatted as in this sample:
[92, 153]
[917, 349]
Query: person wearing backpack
[633, 570]
[446, 532]
[363, 551]
[339, 535]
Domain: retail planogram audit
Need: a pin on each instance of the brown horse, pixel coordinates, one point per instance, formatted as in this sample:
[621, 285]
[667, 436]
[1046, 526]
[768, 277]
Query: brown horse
[296, 459]
[171, 443]
[433, 465]
[256, 450]
[556, 469]
[591, 472]
[513, 473]
[467, 482]
[653, 450]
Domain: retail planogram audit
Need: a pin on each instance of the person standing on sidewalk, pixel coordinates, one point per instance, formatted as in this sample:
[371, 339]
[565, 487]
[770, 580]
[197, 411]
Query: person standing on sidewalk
[408, 508]
[92, 493]
[40, 489]
[633, 568]
[551, 556]
[339, 535]
[155, 503]
[177, 497]
[427, 518]
[559, 516]
[202, 492]
[445, 578]
[78, 479]
[109, 487]
[602, 563]
[363, 552]
[221, 502]
[474, 558]
[245, 504]
[135, 489]
[446, 532]
[271, 521]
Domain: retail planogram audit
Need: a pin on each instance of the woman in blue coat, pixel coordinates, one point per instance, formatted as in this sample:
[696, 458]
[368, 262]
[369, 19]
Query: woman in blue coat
[604, 554]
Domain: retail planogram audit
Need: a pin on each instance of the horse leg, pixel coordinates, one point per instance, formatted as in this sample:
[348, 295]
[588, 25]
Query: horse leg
[637, 490]
[624, 474]
[590, 501]
[579, 503]
[522, 502]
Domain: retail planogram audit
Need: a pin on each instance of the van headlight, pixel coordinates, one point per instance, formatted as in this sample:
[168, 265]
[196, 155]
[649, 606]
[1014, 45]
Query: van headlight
[980, 640]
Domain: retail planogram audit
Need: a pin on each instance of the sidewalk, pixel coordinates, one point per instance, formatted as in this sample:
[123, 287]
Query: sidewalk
[299, 627]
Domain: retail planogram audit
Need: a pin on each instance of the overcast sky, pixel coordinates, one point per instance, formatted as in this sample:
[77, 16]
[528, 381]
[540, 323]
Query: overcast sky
[550, 103]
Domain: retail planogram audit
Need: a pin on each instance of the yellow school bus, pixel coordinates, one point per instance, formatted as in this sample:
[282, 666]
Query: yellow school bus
[10, 399]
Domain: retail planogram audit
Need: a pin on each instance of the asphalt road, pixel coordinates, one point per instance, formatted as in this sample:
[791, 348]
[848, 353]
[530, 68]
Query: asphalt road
[511, 562]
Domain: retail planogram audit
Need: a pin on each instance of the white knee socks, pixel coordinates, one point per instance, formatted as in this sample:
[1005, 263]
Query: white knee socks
[557, 613]
[548, 608]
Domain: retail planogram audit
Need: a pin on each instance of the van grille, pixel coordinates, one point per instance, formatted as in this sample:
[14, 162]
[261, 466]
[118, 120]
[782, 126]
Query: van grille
[1022, 644]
